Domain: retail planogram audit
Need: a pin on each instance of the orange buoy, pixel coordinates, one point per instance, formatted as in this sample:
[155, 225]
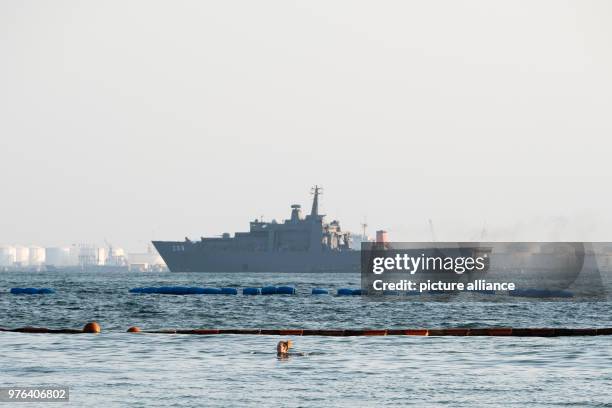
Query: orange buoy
[133, 329]
[92, 327]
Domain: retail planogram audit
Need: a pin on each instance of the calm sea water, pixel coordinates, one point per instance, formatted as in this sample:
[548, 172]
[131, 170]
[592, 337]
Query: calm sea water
[120, 369]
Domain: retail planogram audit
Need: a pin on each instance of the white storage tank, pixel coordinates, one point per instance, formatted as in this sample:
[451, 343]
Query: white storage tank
[22, 256]
[59, 256]
[7, 255]
[101, 256]
[36, 256]
[91, 255]
[87, 255]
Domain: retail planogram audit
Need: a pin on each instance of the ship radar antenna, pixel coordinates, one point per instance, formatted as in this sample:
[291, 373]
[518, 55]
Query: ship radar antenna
[316, 190]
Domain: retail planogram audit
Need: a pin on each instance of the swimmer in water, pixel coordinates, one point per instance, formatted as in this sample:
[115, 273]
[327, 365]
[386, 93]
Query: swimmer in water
[282, 348]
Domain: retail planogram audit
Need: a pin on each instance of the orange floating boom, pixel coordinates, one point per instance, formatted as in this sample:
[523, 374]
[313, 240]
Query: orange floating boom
[490, 332]
[93, 327]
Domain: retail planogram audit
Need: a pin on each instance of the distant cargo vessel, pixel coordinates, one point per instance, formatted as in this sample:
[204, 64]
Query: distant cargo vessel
[299, 244]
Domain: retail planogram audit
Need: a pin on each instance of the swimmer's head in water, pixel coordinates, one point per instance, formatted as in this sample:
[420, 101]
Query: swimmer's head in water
[283, 347]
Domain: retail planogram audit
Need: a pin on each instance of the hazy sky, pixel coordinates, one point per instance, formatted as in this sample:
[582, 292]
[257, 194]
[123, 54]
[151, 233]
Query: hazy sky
[132, 120]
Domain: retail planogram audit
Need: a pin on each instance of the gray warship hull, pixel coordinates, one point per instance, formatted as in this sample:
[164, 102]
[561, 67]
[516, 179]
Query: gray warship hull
[179, 258]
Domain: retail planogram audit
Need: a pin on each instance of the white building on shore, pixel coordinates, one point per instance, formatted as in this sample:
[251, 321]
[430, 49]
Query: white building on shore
[78, 257]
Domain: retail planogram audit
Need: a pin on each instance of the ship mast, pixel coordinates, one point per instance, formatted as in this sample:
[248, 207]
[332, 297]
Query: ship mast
[316, 190]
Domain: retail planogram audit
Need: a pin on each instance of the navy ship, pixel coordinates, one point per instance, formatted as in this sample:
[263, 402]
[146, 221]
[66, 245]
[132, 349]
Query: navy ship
[298, 244]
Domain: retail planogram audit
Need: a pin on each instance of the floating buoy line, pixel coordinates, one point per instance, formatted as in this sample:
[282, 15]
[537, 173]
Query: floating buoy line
[290, 290]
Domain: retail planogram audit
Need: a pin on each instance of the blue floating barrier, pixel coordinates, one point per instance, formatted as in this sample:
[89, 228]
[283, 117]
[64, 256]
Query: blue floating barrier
[285, 290]
[563, 294]
[391, 293]
[251, 291]
[178, 290]
[348, 292]
[23, 291]
[541, 293]
[31, 291]
[344, 292]
[212, 291]
[143, 290]
[229, 291]
[268, 290]
[319, 291]
[168, 290]
[45, 291]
